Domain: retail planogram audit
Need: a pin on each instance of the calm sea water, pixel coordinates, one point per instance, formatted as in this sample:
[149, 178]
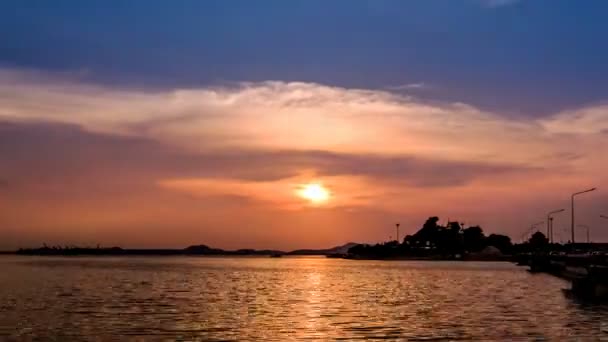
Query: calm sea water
[285, 299]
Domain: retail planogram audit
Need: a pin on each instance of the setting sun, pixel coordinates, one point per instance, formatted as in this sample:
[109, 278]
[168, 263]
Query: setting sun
[314, 192]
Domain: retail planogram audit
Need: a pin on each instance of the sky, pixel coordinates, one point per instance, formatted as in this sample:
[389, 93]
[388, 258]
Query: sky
[166, 124]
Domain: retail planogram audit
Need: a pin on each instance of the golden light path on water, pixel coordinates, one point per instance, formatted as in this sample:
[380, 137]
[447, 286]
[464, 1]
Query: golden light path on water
[286, 299]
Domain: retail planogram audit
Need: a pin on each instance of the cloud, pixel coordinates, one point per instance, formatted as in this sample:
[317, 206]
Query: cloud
[275, 115]
[141, 152]
[499, 3]
[41, 151]
[587, 120]
[409, 86]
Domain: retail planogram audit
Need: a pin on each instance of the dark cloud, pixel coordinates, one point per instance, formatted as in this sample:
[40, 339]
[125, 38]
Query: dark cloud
[411, 170]
[56, 152]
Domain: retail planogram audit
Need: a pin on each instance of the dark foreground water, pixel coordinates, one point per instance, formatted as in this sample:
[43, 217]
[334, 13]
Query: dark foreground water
[285, 299]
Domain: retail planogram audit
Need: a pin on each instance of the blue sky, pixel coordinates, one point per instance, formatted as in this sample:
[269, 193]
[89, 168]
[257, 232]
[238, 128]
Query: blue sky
[527, 57]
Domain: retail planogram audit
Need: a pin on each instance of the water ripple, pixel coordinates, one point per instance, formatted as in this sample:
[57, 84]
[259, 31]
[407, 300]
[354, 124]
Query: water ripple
[229, 299]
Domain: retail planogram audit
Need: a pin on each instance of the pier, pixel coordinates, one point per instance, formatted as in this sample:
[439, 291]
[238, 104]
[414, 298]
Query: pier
[587, 272]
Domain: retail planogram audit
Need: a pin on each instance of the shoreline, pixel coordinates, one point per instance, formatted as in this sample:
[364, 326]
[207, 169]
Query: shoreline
[136, 253]
[404, 258]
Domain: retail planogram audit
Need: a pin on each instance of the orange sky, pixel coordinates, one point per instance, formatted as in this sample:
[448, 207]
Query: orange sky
[87, 164]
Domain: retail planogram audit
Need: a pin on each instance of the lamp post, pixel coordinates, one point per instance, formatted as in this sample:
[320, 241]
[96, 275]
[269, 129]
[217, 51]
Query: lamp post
[604, 217]
[587, 228]
[550, 224]
[565, 233]
[572, 213]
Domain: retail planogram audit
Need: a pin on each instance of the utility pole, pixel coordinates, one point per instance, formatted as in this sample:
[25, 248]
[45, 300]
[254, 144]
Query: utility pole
[587, 228]
[550, 224]
[397, 226]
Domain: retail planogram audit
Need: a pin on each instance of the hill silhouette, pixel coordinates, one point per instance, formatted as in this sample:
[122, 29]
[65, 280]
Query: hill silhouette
[190, 250]
[118, 251]
[329, 251]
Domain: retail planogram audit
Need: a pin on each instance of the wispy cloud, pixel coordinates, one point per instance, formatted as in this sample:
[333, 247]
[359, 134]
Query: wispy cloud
[295, 116]
[499, 3]
[58, 152]
[409, 86]
[586, 120]
[58, 156]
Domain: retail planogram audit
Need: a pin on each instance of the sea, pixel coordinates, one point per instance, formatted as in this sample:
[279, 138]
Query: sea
[286, 299]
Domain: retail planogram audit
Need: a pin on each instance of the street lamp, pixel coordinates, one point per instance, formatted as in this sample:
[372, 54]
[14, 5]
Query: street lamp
[604, 217]
[550, 224]
[587, 228]
[572, 213]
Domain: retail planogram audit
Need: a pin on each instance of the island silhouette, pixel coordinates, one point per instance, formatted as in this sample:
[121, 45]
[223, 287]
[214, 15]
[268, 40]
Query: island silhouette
[188, 251]
[432, 241]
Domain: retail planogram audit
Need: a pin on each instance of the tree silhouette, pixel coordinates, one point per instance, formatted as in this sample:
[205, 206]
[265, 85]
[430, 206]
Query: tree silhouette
[434, 240]
[502, 242]
[538, 240]
[474, 239]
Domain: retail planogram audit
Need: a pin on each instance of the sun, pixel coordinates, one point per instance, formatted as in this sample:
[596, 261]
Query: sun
[314, 192]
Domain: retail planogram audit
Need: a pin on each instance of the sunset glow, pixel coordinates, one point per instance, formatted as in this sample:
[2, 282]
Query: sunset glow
[314, 192]
[288, 130]
[294, 170]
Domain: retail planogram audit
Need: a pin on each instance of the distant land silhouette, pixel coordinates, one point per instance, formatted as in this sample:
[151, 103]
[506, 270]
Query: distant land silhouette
[434, 241]
[335, 250]
[191, 250]
[455, 242]
[431, 242]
